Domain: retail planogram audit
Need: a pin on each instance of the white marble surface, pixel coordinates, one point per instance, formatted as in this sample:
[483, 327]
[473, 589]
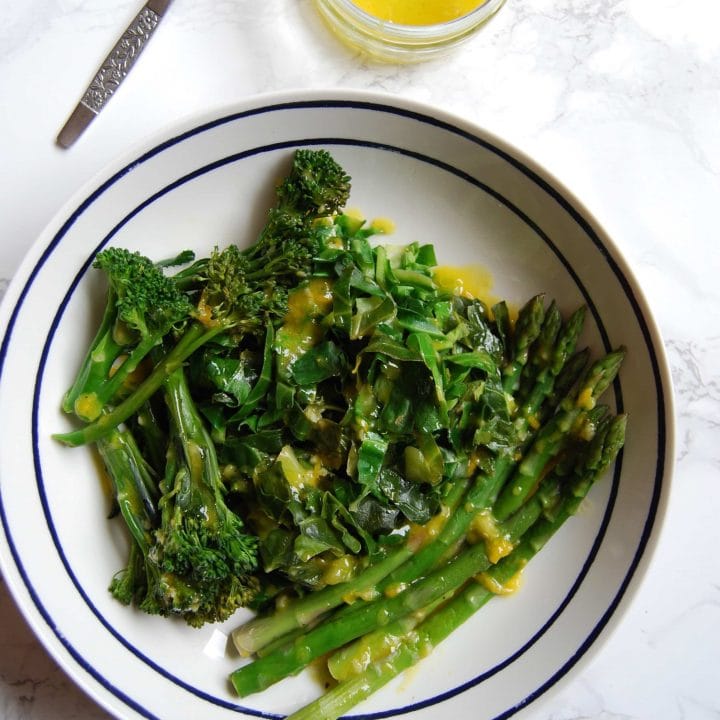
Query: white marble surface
[619, 98]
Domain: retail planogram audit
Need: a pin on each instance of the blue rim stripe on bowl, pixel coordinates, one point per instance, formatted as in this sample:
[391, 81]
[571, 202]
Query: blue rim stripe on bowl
[423, 119]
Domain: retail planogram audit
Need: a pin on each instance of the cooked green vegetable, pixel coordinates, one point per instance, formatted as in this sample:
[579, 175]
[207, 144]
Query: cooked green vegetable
[142, 307]
[240, 291]
[382, 655]
[316, 428]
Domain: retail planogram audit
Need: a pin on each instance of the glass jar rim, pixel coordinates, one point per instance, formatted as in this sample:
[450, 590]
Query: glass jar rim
[458, 24]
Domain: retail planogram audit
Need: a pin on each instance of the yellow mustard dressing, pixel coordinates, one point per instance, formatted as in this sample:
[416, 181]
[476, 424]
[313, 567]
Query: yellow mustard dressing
[301, 329]
[496, 587]
[299, 475]
[87, 406]
[340, 570]
[418, 12]
[383, 225]
[485, 528]
[471, 281]
[421, 535]
[354, 213]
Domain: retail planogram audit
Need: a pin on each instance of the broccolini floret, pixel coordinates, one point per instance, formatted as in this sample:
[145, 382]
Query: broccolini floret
[189, 554]
[244, 290]
[142, 306]
[317, 185]
[199, 537]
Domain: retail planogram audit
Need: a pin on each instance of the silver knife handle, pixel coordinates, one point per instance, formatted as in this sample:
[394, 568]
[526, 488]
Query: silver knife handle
[113, 71]
[120, 60]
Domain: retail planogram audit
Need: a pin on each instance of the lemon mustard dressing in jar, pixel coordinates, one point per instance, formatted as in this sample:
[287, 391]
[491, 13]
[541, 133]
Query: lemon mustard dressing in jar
[406, 30]
[418, 12]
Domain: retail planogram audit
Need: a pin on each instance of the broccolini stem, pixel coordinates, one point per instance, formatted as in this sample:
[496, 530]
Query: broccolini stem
[151, 437]
[131, 481]
[134, 491]
[99, 358]
[196, 336]
[90, 404]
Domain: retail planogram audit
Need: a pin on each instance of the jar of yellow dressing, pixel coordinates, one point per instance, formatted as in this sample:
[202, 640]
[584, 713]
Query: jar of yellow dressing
[406, 30]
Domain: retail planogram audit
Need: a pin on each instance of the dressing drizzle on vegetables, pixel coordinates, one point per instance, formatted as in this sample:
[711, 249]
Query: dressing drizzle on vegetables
[338, 432]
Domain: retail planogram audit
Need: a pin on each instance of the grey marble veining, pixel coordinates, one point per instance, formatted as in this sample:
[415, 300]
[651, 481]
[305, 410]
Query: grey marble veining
[33, 686]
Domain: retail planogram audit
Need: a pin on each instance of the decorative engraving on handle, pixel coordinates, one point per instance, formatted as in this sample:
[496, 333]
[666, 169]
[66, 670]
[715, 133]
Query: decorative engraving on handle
[122, 57]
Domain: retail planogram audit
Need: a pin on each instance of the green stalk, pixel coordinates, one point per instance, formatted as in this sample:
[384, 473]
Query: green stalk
[439, 625]
[101, 395]
[541, 351]
[369, 648]
[151, 437]
[343, 628]
[328, 636]
[418, 644]
[527, 328]
[556, 433]
[194, 338]
[131, 481]
[99, 358]
[572, 371]
[290, 637]
[134, 490]
[356, 657]
[260, 632]
[552, 368]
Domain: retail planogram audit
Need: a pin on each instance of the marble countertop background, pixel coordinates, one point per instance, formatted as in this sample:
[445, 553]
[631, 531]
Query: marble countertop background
[618, 98]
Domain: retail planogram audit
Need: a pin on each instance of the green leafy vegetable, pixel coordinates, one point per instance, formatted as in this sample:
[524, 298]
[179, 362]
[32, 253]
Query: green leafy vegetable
[317, 428]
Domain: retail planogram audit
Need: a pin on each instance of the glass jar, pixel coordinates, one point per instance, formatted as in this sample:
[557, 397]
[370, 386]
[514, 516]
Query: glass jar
[412, 34]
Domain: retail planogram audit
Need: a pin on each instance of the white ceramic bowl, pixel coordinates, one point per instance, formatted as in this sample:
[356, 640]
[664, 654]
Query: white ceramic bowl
[209, 182]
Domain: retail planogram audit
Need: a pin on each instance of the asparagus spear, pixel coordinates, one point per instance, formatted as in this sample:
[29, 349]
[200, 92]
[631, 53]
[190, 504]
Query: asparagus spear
[259, 632]
[347, 660]
[554, 434]
[542, 350]
[271, 668]
[253, 636]
[527, 328]
[484, 490]
[338, 631]
[473, 596]
[380, 642]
